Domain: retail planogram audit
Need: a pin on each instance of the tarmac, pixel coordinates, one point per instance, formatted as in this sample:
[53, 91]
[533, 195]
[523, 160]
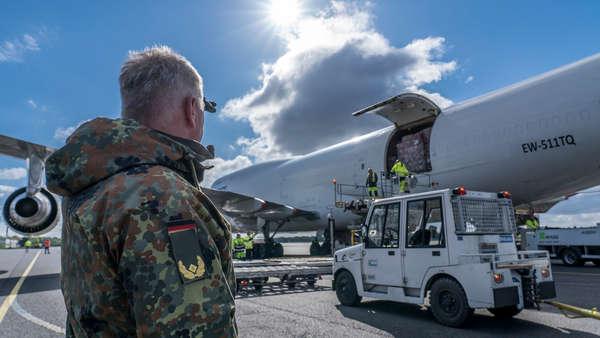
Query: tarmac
[31, 305]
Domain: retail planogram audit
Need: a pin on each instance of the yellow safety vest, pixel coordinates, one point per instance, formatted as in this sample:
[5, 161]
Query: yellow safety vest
[532, 224]
[248, 242]
[400, 169]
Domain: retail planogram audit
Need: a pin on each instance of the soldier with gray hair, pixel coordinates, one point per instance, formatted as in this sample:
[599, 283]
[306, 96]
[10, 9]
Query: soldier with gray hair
[145, 252]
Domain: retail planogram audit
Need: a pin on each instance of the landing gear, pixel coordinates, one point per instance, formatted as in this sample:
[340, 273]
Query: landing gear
[270, 248]
[318, 249]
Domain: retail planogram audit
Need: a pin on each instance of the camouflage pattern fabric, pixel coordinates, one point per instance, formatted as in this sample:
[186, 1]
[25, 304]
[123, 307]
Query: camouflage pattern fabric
[144, 252]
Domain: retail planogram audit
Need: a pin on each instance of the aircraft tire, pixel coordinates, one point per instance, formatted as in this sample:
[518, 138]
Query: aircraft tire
[277, 250]
[449, 303]
[345, 289]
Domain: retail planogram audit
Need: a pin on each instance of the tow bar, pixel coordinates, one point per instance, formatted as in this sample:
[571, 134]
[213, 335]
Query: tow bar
[567, 309]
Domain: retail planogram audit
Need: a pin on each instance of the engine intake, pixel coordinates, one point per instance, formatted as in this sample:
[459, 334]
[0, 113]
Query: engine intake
[31, 215]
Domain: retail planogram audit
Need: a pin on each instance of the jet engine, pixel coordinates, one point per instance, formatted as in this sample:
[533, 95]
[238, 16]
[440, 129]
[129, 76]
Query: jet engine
[31, 215]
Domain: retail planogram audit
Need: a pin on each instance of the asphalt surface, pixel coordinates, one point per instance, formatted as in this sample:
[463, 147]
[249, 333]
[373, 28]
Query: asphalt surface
[38, 310]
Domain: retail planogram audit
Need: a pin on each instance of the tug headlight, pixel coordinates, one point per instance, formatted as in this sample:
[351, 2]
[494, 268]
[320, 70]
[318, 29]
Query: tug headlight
[498, 278]
[545, 273]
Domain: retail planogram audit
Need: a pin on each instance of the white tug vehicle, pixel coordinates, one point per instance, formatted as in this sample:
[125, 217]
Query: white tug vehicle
[452, 250]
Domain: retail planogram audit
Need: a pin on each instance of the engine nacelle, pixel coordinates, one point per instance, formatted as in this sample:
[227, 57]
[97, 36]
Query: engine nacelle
[31, 215]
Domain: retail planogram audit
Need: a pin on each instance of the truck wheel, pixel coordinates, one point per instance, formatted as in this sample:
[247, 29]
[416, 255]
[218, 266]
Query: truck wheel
[571, 257]
[345, 289]
[449, 303]
[505, 312]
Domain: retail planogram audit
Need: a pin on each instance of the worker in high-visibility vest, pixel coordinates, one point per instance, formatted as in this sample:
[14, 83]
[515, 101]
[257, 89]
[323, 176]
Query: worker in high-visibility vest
[532, 222]
[249, 245]
[401, 172]
[27, 245]
[372, 183]
[239, 247]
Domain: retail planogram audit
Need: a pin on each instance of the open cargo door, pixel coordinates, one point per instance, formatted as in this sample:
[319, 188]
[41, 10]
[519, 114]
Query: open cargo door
[404, 110]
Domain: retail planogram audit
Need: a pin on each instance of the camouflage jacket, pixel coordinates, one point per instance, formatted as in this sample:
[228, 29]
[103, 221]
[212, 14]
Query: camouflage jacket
[144, 252]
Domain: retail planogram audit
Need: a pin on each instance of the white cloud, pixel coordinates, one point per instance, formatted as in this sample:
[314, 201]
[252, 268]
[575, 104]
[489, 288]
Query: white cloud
[35, 105]
[334, 63]
[32, 104]
[469, 79]
[223, 167]
[61, 133]
[14, 50]
[13, 173]
[6, 189]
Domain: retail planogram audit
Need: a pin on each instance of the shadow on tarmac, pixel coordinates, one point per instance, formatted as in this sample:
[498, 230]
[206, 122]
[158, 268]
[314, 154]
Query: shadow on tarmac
[278, 290]
[406, 320]
[36, 283]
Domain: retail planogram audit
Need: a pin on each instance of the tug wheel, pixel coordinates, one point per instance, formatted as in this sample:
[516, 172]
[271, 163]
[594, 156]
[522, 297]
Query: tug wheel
[449, 303]
[505, 312]
[345, 289]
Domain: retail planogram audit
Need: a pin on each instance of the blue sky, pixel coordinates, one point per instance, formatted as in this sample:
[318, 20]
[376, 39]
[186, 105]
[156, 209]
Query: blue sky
[59, 61]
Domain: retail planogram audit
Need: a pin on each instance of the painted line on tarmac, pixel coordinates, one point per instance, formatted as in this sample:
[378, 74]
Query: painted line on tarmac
[15, 291]
[23, 313]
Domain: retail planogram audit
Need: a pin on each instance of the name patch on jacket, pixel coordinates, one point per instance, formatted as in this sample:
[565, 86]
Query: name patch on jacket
[186, 250]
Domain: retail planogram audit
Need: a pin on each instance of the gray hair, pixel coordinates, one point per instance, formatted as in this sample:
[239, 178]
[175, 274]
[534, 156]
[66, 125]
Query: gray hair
[153, 80]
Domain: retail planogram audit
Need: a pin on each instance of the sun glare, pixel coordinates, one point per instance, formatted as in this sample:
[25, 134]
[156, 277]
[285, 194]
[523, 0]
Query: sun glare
[284, 12]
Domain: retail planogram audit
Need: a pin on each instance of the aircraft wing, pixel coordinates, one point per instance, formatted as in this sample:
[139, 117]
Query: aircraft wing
[22, 149]
[247, 209]
[539, 206]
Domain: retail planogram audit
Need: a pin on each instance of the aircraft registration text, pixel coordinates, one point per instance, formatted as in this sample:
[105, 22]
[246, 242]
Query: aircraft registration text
[549, 143]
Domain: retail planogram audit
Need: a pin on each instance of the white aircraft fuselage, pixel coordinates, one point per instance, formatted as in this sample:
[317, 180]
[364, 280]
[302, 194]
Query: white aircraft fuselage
[538, 139]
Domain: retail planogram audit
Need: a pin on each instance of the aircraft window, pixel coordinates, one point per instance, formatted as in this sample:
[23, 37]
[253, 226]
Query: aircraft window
[425, 224]
[384, 226]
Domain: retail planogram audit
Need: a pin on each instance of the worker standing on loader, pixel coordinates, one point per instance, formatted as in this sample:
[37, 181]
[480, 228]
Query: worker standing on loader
[401, 173]
[239, 247]
[249, 245]
[372, 183]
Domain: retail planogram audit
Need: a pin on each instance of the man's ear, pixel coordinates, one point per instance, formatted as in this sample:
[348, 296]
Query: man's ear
[189, 111]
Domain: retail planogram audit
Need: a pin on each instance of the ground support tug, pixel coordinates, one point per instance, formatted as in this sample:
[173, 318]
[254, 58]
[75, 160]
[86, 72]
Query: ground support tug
[452, 250]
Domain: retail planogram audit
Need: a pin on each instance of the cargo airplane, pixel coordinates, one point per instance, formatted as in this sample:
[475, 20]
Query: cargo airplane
[538, 139]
